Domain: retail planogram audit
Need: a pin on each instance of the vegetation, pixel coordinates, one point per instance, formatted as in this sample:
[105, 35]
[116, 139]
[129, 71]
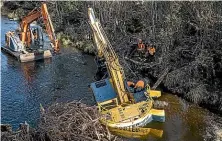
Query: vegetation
[63, 122]
[187, 36]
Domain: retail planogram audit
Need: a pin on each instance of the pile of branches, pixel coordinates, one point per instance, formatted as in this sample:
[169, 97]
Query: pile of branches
[73, 121]
[63, 122]
[24, 133]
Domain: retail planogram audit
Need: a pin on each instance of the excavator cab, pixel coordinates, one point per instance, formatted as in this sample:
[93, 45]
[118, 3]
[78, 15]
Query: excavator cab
[37, 39]
[137, 94]
[142, 93]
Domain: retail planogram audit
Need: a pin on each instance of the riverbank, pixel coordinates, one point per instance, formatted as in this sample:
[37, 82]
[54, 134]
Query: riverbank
[64, 122]
[194, 58]
[77, 121]
[189, 47]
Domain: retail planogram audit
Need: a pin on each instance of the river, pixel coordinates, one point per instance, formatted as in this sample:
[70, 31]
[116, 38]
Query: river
[66, 76]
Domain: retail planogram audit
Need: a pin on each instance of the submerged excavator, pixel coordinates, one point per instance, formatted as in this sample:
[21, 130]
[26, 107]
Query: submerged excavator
[28, 44]
[122, 109]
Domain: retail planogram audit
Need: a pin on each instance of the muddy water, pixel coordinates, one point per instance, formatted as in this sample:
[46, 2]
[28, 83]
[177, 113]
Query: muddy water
[65, 77]
[184, 121]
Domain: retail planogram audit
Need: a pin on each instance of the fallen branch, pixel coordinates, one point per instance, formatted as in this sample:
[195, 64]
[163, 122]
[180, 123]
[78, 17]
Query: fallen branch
[147, 65]
[160, 79]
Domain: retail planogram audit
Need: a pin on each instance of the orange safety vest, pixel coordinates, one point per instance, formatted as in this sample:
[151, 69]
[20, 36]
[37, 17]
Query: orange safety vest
[151, 50]
[141, 46]
[129, 83]
[140, 84]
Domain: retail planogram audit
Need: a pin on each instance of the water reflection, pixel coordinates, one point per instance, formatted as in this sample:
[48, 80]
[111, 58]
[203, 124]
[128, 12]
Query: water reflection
[138, 133]
[29, 69]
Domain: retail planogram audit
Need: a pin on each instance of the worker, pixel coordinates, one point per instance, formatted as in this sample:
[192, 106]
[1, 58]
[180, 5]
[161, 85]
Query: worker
[131, 86]
[35, 34]
[139, 86]
[151, 50]
[141, 47]
[151, 53]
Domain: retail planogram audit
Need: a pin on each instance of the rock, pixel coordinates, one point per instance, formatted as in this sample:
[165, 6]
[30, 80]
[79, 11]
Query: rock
[159, 104]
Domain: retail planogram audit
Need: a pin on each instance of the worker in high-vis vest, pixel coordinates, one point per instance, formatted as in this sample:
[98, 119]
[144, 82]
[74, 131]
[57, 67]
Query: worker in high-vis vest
[131, 86]
[140, 85]
[151, 50]
[150, 53]
[35, 34]
[141, 47]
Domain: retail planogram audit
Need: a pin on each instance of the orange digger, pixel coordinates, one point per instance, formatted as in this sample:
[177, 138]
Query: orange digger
[28, 44]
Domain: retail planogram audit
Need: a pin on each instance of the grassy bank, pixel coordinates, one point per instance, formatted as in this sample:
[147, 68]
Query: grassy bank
[84, 45]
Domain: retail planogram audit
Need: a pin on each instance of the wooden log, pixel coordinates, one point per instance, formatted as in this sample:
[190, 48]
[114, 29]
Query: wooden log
[147, 65]
[160, 79]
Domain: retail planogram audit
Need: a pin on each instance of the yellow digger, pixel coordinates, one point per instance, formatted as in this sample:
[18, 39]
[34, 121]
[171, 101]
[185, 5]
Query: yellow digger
[121, 109]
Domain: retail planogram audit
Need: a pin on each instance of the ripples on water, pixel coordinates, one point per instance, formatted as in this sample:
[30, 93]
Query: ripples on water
[65, 77]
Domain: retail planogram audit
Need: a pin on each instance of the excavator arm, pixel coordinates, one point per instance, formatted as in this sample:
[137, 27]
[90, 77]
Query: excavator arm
[49, 27]
[33, 16]
[105, 50]
[26, 21]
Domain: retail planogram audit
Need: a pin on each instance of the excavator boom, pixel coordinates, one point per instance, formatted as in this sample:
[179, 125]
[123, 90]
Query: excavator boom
[34, 15]
[105, 49]
[49, 27]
